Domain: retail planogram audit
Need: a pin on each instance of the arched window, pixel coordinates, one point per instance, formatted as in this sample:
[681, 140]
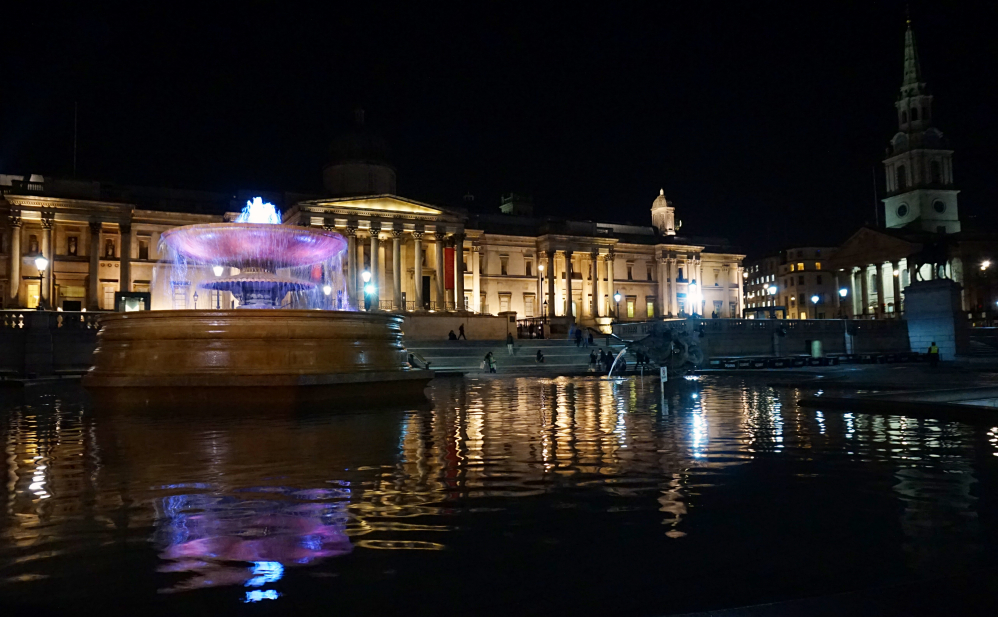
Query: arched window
[902, 178]
[914, 114]
[904, 117]
[936, 172]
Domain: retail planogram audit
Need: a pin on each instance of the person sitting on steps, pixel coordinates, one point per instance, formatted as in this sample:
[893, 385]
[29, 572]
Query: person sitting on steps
[540, 356]
[451, 336]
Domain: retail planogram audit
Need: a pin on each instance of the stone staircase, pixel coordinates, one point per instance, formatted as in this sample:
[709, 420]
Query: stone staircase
[560, 356]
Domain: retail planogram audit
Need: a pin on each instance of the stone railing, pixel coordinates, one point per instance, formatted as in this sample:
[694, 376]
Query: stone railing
[783, 336]
[46, 343]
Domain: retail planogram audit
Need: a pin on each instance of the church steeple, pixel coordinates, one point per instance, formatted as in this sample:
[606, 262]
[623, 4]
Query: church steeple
[912, 83]
[919, 164]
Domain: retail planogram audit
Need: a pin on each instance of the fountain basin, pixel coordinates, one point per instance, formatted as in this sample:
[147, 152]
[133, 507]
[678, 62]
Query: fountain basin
[359, 353]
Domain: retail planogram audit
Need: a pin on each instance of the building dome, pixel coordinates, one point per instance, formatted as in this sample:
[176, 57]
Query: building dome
[359, 163]
[663, 215]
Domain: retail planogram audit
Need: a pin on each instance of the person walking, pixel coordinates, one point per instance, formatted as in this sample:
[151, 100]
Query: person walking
[592, 361]
[540, 357]
[460, 332]
[933, 355]
[490, 361]
[602, 360]
[589, 339]
[509, 343]
[578, 337]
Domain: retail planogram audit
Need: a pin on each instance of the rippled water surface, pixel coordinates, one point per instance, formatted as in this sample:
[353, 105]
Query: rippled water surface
[526, 496]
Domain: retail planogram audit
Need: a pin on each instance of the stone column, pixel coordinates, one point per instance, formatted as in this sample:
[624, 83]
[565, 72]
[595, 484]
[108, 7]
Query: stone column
[838, 298]
[375, 266]
[594, 255]
[459, 271]
[93, 282]
[673, 287]
[896, 267]
[15, 255]
[125, 276]
[611, 256]
[352, 269]
[476, 279]
[417, 268]
[740, 274]
[864, 283]
[881, 291]
[438, 252]
[551, 311]
[663, 286]
[397, 270]
[45, 285]
[568, 287]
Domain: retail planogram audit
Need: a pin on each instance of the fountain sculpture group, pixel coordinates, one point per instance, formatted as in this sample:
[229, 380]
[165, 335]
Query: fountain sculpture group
[266, 267]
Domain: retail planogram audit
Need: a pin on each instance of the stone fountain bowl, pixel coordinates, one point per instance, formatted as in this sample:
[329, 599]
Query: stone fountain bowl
[254, 244]
[260, 280]
[352, 354]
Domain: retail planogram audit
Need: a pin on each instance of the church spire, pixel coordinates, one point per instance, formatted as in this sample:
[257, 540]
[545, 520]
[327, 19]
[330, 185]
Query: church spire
[912, 84]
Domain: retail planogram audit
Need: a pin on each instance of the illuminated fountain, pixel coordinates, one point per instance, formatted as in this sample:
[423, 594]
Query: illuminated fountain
[260, 344]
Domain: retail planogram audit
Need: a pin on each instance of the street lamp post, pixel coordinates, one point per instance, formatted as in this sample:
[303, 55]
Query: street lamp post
[616, 299]
[42, 264]
[842, 309]
[369, 289]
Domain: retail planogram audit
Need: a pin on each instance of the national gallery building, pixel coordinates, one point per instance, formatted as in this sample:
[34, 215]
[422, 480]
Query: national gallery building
[99, 240]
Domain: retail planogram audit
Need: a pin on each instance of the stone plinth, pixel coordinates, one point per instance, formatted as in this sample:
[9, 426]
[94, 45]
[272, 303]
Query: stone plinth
[932, 310]
[353, 351]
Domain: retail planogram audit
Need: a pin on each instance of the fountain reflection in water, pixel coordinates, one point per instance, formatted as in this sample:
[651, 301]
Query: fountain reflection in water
[261, 263]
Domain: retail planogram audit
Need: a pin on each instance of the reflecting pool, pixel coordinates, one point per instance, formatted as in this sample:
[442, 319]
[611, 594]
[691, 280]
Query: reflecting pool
[502, 496]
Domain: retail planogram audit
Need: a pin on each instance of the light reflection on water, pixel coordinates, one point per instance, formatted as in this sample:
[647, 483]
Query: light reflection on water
[549, 477]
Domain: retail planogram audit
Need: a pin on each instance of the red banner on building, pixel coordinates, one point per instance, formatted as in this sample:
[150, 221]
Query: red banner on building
[448, 268]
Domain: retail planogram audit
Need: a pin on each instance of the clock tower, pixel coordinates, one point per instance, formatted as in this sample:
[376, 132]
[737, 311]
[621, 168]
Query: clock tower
[919, 163]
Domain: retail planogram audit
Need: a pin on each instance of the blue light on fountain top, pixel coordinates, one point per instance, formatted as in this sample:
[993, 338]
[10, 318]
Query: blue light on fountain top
[258, 211]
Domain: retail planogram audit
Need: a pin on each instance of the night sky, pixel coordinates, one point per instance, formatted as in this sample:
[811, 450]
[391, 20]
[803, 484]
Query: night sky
[762, 121]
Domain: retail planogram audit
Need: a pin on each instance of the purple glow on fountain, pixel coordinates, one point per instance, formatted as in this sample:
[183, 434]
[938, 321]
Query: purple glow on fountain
[273, 260]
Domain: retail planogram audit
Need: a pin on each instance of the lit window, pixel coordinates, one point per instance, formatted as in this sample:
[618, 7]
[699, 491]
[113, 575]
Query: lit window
[630, 307]
[791, 267]
[651, 308]
[800, 266]
[817, 265]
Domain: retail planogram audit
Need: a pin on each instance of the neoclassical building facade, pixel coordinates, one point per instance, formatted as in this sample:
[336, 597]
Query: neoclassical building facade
[402, 255]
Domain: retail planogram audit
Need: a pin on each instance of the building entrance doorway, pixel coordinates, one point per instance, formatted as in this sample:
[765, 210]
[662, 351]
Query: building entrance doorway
[426, 293]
